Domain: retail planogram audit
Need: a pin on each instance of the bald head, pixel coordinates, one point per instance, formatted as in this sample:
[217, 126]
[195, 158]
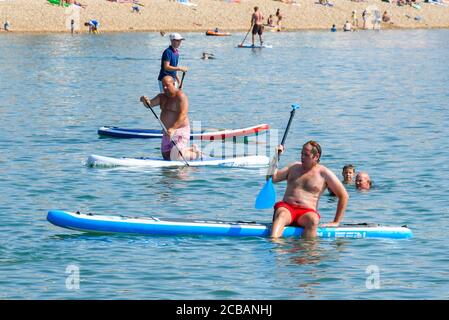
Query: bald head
[168, 84]
[168, 80]
[363, 181]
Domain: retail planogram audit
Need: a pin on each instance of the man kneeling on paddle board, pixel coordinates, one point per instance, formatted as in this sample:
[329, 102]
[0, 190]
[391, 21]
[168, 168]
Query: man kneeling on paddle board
[306, 182]
[174, 106]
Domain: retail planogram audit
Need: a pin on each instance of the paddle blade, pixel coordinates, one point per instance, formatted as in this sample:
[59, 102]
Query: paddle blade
[267, 196]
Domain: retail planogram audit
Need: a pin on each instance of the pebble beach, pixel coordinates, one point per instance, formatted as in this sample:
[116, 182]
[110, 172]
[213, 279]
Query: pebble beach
[40, 16]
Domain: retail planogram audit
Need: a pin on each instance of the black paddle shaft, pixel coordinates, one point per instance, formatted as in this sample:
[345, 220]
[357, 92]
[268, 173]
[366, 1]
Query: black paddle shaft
[292, 114]
[182, 80]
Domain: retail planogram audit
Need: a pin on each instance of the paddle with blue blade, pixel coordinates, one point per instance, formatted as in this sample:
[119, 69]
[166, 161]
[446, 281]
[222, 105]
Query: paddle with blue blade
[267, 196]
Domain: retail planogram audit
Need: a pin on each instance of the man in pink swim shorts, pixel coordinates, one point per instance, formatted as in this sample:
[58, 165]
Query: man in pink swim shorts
[174, 106]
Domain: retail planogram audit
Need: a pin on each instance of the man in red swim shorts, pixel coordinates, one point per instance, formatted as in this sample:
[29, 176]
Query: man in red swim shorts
[306, 182]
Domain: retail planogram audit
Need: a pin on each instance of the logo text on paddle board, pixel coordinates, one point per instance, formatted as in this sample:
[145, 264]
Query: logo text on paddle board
[223, 309]
[72, 282]
[373, 279]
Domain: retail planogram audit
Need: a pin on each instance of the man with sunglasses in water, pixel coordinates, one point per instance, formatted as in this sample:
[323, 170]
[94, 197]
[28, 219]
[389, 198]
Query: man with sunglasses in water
[306, 182]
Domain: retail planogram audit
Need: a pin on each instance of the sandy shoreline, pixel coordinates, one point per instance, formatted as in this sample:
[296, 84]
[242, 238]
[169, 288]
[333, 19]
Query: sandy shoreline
[40, 16]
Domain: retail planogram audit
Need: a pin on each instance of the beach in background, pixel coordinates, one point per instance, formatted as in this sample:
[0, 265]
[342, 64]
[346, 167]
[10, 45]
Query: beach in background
[202, 15]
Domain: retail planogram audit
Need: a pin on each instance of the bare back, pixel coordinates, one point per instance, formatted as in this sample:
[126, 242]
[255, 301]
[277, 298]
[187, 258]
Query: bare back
[257, 18]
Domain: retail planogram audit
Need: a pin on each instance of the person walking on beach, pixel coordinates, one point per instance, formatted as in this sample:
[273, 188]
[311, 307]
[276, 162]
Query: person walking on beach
[169, 61]
[257, 23]
[306, 182]
[174, 106]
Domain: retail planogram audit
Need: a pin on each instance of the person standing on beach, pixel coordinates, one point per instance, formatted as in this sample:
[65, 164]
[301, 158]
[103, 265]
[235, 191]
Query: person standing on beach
[257, 24]
[72, 26]
[169, 61]
[355, 21]
[365, 18]
[306, 182]
[279, 16]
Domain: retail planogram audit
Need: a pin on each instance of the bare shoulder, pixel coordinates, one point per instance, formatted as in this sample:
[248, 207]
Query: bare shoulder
[295, 166]
[181, 95]
[326, 172]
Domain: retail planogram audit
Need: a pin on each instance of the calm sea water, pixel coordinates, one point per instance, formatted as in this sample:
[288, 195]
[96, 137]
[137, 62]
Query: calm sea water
[378, 100]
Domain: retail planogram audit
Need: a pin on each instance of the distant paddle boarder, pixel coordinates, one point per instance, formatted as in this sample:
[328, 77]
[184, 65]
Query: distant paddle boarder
[174, 106]
[257, 23]
[306, 182]
[169, 61]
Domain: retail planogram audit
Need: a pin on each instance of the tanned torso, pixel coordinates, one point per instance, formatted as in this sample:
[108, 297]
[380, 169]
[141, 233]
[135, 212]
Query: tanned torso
[171, 110]
[304, 188]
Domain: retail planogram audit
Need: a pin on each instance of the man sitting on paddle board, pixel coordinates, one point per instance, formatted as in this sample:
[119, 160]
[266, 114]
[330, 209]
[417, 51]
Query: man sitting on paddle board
[174, 106]
[306, 182]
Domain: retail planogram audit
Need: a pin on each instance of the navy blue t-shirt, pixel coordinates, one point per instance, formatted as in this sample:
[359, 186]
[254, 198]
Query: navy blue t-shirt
[172, 56]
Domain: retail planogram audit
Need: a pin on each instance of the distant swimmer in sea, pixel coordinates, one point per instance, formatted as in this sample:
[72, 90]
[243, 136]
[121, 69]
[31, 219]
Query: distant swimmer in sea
[257, 24]
[162, 33]
[334, 28]
[207, 56]
[348, 174]
[363, 181]
[174, 106]
[306, 182]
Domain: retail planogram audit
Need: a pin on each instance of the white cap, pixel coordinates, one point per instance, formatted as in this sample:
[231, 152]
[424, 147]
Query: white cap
[176, 36]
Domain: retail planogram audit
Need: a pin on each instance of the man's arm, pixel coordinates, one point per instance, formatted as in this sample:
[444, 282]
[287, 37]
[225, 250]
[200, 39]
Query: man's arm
[280, 175]
[168, 67]
[156, 101]
[339, 190]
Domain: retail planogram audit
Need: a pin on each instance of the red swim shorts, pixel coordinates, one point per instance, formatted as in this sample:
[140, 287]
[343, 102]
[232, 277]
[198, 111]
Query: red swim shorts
[296, 212]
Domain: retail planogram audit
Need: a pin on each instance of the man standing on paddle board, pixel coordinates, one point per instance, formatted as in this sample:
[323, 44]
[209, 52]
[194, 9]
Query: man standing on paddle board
[169, 61]
[257, 23]
[174, 106]
[306, 182]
